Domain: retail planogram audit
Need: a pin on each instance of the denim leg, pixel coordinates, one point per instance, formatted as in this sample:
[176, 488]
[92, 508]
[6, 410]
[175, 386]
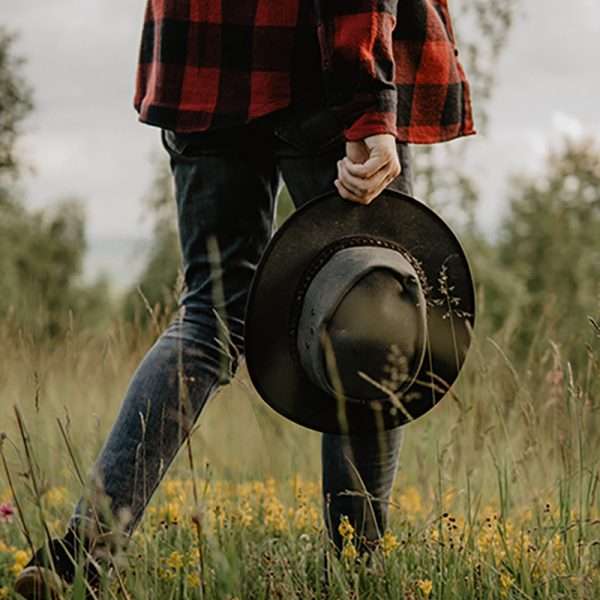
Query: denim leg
[164, 398]
[358, 475]
[365, 465]
[225, 205]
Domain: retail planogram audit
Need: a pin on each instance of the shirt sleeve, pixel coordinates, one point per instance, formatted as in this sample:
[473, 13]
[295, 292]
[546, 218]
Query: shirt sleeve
[358, 62]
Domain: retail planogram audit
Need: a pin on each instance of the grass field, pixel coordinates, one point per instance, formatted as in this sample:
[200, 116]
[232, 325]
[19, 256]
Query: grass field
[497, 495]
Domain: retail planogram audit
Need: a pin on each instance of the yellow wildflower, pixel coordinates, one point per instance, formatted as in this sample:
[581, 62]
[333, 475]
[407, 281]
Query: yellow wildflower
[218, 515]
[56, 496]
[349, 552]
[21, 559]
[167, 574]
[258, 489]
[244, 490]
[410, 502]
[314, 517]
[3, 593]
[300, 516]
[345, 528]
[557, 542]
[389, 542]
[171, 488]
[275, 514]
[506, 582]
[175, 560]
[194, 556]
[246, 514]
[170, 512]
[193, 580]
[425, 586]
[177, 490]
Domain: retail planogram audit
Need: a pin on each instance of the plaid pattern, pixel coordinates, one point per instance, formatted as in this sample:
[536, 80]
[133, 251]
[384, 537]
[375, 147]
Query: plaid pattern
[208, 64]
[434, 102]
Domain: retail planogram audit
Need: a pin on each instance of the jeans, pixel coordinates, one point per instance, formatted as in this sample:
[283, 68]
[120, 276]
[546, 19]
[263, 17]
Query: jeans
[226, 184]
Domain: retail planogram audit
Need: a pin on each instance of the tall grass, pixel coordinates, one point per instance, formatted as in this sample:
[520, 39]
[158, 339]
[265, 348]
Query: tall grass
[497, 494]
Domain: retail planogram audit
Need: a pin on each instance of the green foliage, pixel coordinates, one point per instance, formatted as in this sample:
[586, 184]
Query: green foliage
[15, 104]
[499, 290]
[540, 278]
[41, 256]
[41, 252]
[496, 496]
[549, 241]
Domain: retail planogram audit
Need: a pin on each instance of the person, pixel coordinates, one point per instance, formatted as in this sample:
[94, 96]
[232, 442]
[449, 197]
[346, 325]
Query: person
[322, 94]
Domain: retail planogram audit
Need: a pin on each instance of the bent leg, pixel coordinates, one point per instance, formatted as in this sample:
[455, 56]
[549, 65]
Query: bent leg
[165, 396]
[225, 194]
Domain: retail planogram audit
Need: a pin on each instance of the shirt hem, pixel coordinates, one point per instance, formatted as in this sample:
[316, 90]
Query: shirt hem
[143, 109]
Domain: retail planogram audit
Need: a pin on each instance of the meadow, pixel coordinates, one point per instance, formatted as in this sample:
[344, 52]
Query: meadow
[497, 494]
[498, 490]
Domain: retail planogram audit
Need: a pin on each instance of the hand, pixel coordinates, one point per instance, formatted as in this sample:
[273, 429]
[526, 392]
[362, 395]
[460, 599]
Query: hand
[368, 167]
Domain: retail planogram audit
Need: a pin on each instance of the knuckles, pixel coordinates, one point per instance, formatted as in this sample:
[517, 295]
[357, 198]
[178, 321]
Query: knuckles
[364, 192]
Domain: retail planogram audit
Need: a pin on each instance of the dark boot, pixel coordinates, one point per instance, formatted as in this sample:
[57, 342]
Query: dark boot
[52, 570]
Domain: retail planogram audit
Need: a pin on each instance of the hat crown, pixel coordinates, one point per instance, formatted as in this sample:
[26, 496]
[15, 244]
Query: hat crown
[362, 328]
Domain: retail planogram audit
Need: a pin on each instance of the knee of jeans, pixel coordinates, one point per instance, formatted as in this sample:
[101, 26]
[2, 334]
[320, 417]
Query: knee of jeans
[217, 343]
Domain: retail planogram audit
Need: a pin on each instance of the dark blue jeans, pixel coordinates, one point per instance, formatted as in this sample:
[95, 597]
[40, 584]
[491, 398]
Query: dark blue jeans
[226, 185]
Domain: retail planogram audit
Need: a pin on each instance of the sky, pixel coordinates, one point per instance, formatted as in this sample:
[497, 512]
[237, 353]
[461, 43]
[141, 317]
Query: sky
[84, 140]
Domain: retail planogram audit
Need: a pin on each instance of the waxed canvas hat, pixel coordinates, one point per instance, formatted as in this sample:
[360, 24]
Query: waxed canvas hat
[359, 318]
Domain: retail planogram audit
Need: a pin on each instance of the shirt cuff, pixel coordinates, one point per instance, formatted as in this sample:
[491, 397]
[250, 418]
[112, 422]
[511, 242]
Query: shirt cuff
[371, 123]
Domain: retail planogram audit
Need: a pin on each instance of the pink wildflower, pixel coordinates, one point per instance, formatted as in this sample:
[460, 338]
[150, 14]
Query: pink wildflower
[7, 512]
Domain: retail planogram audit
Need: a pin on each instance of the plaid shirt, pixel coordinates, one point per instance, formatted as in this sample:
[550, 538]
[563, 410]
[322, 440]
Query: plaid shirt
[391, 64]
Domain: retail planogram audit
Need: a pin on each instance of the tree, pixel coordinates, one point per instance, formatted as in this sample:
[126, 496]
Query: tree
[41, 255]
[550, 242]
[41, 252]
[15, 104]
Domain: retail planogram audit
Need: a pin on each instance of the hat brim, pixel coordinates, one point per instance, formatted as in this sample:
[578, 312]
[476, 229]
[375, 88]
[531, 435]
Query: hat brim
[271, 355]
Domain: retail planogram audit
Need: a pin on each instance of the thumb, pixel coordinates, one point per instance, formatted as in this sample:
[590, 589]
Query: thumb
[357, 152]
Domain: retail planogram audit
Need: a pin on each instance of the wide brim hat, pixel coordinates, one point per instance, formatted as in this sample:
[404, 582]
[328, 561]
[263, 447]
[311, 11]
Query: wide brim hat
[299, 248]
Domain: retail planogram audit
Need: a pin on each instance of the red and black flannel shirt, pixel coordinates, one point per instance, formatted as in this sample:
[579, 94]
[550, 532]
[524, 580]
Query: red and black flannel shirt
[207, 64]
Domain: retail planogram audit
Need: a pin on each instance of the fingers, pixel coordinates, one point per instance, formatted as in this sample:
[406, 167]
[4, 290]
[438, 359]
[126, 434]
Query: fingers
[368, 168]
[346, 194]
[360, 189]
[366, 157]
[358, 185]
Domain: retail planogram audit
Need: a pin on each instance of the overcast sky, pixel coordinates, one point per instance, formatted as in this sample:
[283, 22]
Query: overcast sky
[84, 139]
